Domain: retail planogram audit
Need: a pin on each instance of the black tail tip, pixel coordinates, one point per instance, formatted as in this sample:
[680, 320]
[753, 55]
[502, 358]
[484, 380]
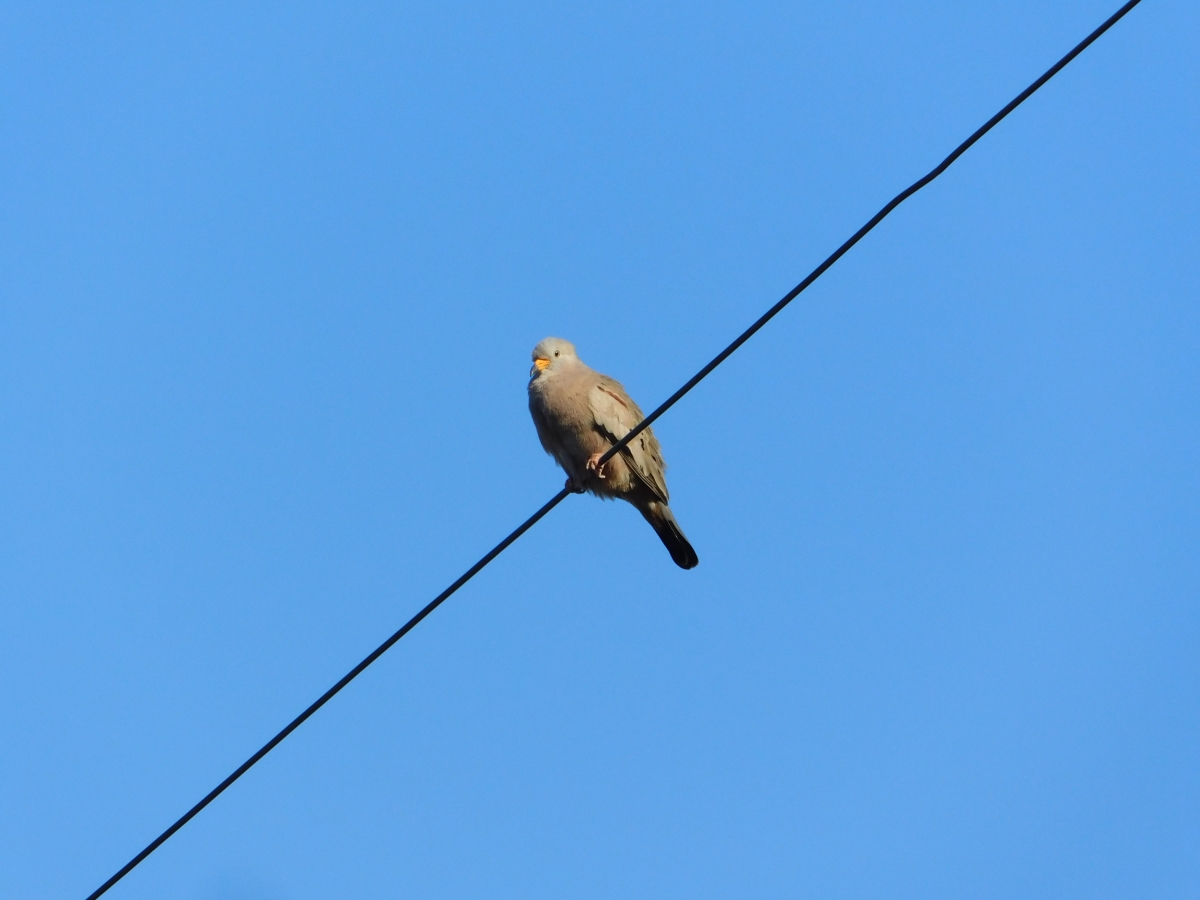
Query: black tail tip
[662, 520]
[685, 557]
[677, 545]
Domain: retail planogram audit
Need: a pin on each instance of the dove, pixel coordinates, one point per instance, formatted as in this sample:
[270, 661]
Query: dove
[579, 415]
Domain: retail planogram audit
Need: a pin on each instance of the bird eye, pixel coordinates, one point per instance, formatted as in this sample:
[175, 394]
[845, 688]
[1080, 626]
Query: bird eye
[556, 353]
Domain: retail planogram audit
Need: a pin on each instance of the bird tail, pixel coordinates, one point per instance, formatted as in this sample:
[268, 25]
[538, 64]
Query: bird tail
[662, 520]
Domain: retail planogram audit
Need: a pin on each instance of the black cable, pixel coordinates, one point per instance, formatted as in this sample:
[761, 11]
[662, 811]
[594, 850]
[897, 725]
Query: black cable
[616, 448]
[328, 695]
[858, 235]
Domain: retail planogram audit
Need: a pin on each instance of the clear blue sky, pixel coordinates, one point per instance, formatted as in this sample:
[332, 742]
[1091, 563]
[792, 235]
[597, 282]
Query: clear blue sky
[271, 276]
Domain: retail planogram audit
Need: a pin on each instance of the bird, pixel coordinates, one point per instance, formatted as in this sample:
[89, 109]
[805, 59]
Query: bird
[579, 415]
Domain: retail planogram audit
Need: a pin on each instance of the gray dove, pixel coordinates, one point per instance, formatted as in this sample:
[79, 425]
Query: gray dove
[580, 414]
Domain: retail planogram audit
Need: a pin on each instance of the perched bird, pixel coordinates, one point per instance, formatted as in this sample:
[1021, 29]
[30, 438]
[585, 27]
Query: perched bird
[580, 414]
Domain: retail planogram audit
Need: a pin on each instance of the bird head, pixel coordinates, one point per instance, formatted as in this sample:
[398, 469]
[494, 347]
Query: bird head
[550, 354]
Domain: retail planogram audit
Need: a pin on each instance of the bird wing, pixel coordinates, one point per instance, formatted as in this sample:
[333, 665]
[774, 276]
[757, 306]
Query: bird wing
[616, 414]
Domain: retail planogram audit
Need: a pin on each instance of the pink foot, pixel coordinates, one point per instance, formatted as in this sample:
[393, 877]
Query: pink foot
[593, 465]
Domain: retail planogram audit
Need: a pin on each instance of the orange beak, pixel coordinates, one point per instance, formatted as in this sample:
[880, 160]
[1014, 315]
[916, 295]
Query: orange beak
[538, 365]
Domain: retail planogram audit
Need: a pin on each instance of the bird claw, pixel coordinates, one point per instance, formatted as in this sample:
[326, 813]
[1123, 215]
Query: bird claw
[593, 465]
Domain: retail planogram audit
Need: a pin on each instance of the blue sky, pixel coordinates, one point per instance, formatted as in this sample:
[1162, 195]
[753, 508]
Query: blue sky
[272, 273]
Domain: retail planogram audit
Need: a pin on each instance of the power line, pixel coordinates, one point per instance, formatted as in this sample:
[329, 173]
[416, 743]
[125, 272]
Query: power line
[858, 235]
[616, 448]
